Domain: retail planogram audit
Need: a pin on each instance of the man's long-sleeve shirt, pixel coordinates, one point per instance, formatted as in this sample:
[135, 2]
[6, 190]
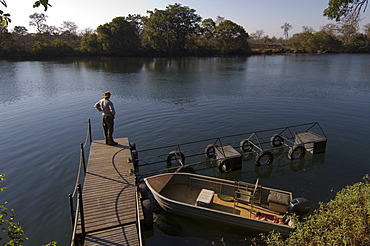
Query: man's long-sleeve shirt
[106, 107]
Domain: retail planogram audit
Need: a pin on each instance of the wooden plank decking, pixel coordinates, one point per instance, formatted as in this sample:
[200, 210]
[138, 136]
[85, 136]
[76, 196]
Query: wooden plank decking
[109, 195]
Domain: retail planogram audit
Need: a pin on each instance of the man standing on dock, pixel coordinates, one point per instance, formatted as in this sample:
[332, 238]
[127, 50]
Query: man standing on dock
[106, 107]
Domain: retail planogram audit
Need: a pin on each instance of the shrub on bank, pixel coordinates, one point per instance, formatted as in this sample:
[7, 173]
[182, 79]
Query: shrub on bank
[345, 220]
[11, 233]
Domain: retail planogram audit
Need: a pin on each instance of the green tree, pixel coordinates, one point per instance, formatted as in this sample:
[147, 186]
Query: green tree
[184, 22]
[137, 21]
[157, 33]
[7, 43]
[348, 10]
[359, 43]
[90, 44]
[4, 17]
[323, 42]
[299, 41]
[44, 3]
[208, 28]
[55, 48]
[319, 42]
[169, 31]
[231, 38]
[205, 42]
[119, 37]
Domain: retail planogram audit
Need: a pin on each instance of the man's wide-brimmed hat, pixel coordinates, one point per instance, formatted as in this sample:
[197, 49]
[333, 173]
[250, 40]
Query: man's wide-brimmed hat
[106, 94]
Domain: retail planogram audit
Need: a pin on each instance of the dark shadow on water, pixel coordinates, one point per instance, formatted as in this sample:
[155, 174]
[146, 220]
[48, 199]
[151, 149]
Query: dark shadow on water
[203, 232]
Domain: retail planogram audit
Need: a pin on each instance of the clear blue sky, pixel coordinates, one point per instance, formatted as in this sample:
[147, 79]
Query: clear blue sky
[266, 15]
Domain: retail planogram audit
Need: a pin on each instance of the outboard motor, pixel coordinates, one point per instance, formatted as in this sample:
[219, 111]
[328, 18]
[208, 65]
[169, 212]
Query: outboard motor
[299, 206]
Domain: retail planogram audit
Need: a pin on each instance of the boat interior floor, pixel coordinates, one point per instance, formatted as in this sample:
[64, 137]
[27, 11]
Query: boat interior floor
[186, 194]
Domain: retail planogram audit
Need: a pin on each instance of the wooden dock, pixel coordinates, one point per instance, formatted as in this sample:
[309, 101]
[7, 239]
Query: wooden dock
[109, 201]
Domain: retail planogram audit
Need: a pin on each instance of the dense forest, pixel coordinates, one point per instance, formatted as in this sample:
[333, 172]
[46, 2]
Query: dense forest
[175, 31]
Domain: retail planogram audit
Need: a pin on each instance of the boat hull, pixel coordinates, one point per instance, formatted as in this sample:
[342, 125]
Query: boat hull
[210, 214]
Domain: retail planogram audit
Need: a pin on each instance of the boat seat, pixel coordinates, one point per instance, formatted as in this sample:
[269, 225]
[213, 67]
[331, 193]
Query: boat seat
[278, 201]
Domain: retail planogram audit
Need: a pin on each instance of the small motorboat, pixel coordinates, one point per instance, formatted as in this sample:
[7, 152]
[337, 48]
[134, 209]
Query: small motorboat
[236, 203]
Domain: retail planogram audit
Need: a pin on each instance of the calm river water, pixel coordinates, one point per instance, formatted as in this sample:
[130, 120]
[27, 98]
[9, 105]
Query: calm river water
[45, 106]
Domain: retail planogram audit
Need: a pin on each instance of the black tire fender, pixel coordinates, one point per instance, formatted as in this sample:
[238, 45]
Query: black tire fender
[135, 157]
[294, 149]
[276, 140]
[226, 165]
[175, 154]
[210, 151]
[264, 154]
[246, 145]
[148, 214]
[143, 189]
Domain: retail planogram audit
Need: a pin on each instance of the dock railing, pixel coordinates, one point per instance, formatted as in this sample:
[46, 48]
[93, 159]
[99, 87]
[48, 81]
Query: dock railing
[75, 198]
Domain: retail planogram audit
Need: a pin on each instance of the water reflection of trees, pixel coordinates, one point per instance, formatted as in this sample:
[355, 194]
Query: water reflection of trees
[115, 64]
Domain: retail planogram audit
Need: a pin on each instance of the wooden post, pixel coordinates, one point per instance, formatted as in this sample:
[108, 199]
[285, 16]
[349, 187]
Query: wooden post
[90, 135]
[81, 211]
[83, 156]
[71, 209]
